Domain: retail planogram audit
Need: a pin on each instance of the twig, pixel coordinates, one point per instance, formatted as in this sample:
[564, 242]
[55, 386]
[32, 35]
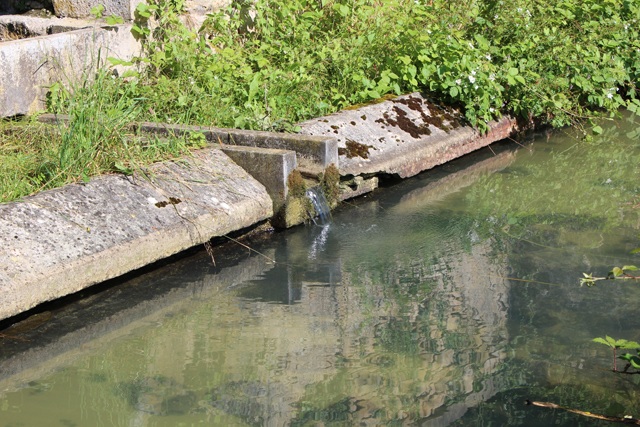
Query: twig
[627, 419]
[250, 249]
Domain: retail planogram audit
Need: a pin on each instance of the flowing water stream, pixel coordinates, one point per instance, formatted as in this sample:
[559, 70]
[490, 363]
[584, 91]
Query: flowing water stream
[446, 299]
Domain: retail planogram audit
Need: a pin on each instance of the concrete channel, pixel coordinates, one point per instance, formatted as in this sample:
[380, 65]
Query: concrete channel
[65, 240]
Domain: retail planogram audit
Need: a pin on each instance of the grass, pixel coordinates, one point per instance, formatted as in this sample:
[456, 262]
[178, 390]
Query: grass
[98, 139]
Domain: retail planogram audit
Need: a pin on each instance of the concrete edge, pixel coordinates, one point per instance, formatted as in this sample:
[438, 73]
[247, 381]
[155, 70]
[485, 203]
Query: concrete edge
[317, 149]
[30, 66]
[56, 242]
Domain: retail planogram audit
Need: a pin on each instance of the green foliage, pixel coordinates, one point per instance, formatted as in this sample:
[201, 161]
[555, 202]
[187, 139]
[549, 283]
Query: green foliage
[270, 64]
[613, 343]
[633, 361]
[97, 139]
[296, 59]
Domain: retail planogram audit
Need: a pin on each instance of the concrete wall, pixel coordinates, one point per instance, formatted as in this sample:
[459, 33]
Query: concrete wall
[29, 67]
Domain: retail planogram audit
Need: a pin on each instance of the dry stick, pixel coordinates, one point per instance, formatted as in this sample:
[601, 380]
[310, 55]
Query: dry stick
[626, 419]
[250, 248]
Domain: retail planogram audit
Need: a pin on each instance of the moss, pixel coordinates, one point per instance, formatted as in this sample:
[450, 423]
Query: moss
[296, 184]
[354, 149]
[330, 182]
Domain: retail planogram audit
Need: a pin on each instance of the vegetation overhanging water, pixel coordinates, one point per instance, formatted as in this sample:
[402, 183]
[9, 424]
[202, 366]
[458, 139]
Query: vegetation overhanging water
[447, 299]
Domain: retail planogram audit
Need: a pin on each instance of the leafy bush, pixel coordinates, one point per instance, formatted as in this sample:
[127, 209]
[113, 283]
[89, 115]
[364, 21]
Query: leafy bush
[555, 63]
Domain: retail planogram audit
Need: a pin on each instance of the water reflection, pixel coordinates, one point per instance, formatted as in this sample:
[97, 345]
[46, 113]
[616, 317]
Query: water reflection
[447, 299]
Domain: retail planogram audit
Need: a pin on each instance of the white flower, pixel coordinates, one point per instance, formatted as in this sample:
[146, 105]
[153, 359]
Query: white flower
[458, 82]
[473, 72]
[491, 109]
[492, 76]
[472, 79]
[471, 45]
[610, 95]
[488, 57]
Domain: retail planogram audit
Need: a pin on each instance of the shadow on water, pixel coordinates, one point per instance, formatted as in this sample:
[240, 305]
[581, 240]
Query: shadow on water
[447, 299]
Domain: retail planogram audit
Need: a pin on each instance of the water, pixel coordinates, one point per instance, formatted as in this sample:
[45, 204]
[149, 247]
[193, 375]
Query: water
[447, 299]
[320, 206]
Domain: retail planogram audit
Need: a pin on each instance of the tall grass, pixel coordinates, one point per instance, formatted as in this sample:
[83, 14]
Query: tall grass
[98, 138]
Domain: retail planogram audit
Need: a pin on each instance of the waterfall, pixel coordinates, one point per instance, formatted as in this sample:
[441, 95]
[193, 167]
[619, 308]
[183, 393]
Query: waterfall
[322, 214]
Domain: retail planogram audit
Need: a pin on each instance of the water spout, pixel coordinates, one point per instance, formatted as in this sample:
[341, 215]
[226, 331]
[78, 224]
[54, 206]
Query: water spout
[322, 212]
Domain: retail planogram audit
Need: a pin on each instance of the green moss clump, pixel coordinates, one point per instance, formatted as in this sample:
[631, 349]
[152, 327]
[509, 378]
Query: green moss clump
[296, 184]
[330, 182]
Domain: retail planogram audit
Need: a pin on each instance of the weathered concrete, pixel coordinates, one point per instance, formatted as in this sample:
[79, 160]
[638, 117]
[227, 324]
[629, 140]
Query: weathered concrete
[61, 241]
[270, 167]
[14, 27]
[403, 136]
[82, 8]
[29, 67]
[315, 152]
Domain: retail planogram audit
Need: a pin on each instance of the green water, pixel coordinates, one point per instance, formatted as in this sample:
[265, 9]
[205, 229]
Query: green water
[447, 299]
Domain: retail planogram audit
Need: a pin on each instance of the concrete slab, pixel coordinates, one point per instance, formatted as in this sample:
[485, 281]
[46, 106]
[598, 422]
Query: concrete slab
[82, 8]
[402, 136]
[28, 67]
[64, 240]
[13, 27]
[318, 150]
[270, 167]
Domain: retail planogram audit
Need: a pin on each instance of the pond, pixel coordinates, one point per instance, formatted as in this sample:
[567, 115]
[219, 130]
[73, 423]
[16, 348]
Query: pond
[446, 299]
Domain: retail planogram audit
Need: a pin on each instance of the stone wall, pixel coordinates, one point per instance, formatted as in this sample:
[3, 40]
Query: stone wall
[82, 8]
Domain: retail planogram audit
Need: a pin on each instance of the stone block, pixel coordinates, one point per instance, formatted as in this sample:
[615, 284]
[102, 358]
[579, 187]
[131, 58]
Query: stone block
[82, 8]
[318, 152]
[61, 241]
[270, 167]
[29, 67]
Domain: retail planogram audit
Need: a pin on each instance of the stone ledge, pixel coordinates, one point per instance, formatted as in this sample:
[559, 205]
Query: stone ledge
[64, 240]
[28, 67]
[319, 150]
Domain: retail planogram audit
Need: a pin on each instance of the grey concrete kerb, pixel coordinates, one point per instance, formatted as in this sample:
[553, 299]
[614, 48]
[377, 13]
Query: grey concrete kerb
[402, 136]
[61, 241]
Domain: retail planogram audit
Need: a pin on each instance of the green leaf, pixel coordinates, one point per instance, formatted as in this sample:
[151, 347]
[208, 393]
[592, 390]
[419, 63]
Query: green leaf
[628, 345]
[597, 130]
[114, 20]
[630, 268]
[513, 71]
[602, 341]
[117, 61]
[97, 11]
[453, 91]
[120, 167]
[616, 272]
